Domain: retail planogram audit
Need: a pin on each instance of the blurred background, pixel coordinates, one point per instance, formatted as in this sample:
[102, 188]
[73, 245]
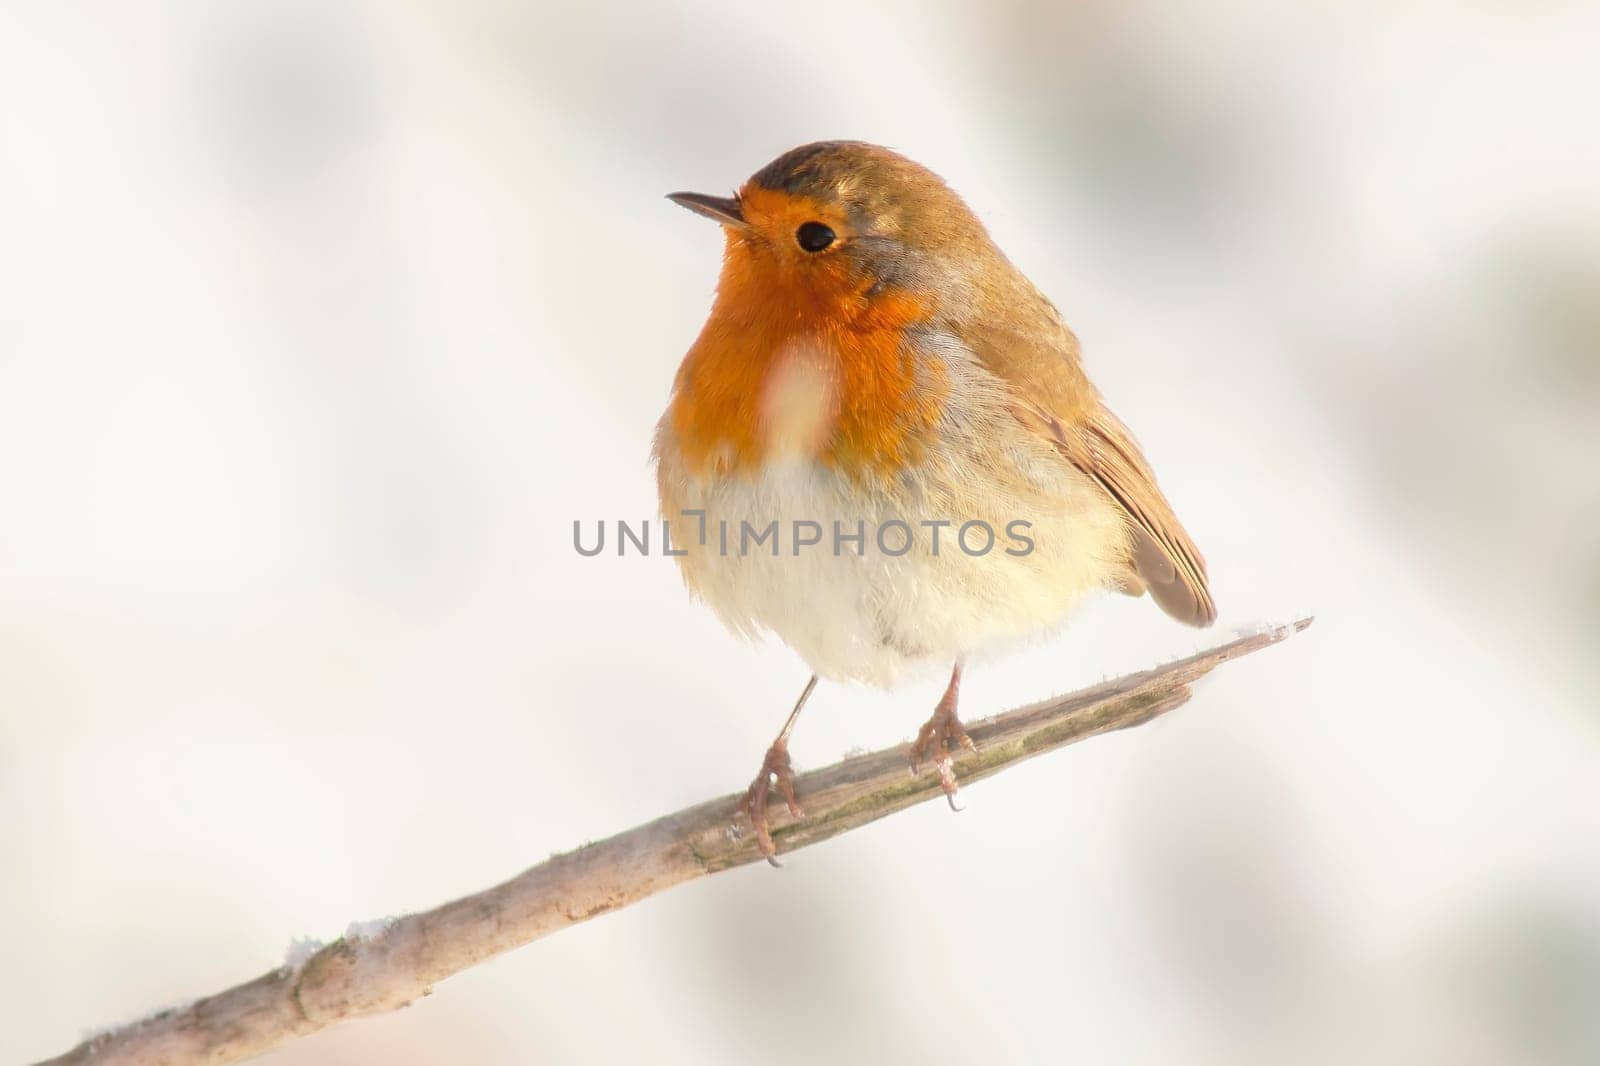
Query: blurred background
[321, 323]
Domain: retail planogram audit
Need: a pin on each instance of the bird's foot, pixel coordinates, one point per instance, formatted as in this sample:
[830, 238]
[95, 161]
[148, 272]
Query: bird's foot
[940, 737]
[776, 767]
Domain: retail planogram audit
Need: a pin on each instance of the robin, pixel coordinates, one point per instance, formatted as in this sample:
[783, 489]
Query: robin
[883, 447]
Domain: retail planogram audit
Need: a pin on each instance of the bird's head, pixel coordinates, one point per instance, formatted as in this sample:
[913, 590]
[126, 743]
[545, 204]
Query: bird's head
[835, 226]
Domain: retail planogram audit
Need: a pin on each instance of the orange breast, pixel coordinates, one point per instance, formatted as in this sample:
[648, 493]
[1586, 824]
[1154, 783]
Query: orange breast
[796, 358]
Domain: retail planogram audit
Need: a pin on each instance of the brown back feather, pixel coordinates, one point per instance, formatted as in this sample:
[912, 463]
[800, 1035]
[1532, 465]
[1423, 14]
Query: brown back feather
[1056, 400]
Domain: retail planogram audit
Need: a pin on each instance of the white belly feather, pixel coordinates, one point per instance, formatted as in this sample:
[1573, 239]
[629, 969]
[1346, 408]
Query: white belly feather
[862, 614]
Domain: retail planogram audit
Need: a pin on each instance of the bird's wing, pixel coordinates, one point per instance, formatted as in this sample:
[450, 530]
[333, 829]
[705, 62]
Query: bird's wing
[1054, 398]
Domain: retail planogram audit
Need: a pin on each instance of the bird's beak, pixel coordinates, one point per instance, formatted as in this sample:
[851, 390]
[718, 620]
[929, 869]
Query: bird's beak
[721, 209]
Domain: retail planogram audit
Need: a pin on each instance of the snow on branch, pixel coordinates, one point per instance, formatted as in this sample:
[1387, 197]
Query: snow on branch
[381, 966]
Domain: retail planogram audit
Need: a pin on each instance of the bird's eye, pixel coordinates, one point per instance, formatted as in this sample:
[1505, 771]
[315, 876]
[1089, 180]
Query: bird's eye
[813, 236]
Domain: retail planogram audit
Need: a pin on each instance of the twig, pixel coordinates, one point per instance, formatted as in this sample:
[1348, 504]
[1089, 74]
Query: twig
[374, 970]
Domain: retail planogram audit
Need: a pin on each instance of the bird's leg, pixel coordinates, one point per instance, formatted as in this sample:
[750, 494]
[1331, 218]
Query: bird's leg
[940, 736]
[775, 767]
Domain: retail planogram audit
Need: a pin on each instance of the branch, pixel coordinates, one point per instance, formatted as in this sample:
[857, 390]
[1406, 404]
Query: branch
[371, 970]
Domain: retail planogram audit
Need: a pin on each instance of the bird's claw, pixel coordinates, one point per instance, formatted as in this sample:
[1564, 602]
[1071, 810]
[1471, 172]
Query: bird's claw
[939, 737]
[776, 767]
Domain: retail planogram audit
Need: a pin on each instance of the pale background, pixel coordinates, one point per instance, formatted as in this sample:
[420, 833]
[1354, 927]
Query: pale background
[320, 322]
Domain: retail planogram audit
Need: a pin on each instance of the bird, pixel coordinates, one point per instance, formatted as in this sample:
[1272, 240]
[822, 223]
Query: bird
[902, 424]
